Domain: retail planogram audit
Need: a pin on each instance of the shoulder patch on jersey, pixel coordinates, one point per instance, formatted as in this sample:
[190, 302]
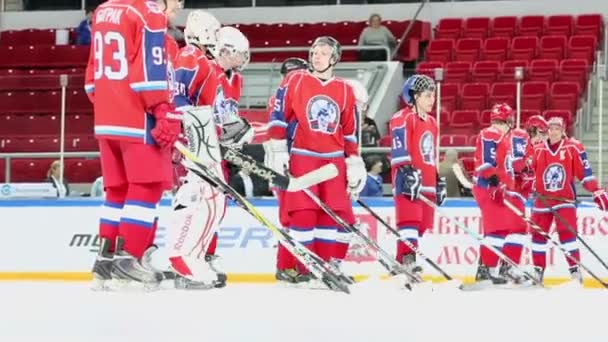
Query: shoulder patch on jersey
[427, 148]
[323, 114]
[154, 7]
[554, 177]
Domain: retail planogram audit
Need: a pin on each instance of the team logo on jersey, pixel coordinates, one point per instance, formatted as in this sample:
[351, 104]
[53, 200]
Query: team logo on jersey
[554, 177]
[173, 88]
[218, 106]
[427, 148]
[323, 114]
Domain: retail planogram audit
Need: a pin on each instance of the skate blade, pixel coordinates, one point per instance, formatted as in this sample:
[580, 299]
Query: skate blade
[478, 286]
[126, 285]
[100, 285]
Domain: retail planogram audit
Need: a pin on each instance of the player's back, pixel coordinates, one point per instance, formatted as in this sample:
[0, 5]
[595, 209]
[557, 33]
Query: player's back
[195, 79]
[127, 72]
[490, 153]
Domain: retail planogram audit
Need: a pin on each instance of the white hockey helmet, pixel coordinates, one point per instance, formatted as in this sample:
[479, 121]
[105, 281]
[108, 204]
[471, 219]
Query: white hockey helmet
[234, 42]
[361, 95]
[201, 29]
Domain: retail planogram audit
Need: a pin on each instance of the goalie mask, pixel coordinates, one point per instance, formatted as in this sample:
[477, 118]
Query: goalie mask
[336, 52]
[233, 44]
[202, 29]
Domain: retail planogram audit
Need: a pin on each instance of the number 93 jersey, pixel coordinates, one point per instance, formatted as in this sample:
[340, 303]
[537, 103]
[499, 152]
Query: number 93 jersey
[126, 75]
[414, 141]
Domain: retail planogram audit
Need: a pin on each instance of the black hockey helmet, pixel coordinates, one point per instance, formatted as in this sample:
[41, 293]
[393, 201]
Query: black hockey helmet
[336, 53]
[291, 64]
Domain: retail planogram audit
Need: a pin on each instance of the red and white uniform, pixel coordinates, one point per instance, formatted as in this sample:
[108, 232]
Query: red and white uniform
[557, 167]
[413, 143]
[319, 121]
[126, 79]
[172, 49]
[196, 81]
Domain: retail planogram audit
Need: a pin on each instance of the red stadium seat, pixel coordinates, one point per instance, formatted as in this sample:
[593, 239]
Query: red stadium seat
[552, 47]
[485, 71]
[468, 49]
[31, 143]
[465, 119]
[30, 170]
[574, 70]
[564, 95]
[448, 140]
[589, 24]
[495, 49]
[476, 27]
[440, 50]
[524, 48]
[428, 68]
[484, 118]
[28, 37]
[504, 26]
[449, 28]
[81, 143]
[582, 47]
[79, 124]
[532, 25]
[82, 170]
[509, 67]
[457, 72]
[543, 70]
[503, 92]
[2, 170]
[449, 96]
[30, 102]
[78, 102]
[10, 124]
[41, 124]
[559, 25]
[562, 113]
[534, 96]
[474, 96]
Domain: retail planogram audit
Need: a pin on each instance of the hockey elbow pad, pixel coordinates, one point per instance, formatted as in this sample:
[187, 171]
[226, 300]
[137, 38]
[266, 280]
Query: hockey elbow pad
[408, 182]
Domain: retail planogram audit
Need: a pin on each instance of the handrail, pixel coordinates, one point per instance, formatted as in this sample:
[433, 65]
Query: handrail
[408, 28]
[306, 48]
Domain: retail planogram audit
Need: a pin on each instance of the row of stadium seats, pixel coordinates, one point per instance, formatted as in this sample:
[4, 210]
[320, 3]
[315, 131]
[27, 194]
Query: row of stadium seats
[45, 124]
[77, 170]
[47, 143]
[26, 102]
[500, 48]
[39, 82]
[47, 72]
[530, 25]
[544, 70]
[44, 56]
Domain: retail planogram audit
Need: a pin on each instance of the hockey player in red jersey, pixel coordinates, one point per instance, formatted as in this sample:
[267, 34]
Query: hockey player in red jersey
[286, 262]
[414, 166]
[126, 79]
[314, 122]
[557, 163]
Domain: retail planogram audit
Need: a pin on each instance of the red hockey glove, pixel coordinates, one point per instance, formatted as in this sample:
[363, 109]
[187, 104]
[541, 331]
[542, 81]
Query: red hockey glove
[168, 125]
[600, 197]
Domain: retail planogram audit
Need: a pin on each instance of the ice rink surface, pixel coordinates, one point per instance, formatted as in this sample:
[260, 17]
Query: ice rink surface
[376, 311]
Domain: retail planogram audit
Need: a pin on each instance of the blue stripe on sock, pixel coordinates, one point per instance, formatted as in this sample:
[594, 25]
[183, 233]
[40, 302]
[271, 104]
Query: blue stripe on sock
[141, 204]
[137, 222]
[109, 222]
[113, 205]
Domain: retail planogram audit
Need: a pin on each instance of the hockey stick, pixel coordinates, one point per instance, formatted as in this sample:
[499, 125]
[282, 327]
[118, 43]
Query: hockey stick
[319, 268]
[569, 227]
[245, 162]
[565, 200]
[385, 259]
[405, 241]
[539, 230]
[482, 241]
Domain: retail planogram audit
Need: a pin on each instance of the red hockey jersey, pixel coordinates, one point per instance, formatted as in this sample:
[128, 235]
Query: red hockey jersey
[318, 118]
[556, 171]
[172, 49]
[413, 143]
[196, 82]
[126, 75]
[491, 157]
[228, 100]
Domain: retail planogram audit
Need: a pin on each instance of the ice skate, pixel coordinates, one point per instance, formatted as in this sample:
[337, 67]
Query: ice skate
[216, 266]
[409, 263]
[183, 283]
[291, 276]
[337, 264]
[576, 279]
[484, 279]
[102, 268]
[128, 272]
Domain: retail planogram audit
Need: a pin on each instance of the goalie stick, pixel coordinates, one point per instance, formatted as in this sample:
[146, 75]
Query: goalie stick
[539, 230]
[385, 259]
[482, 241]
[317, 266]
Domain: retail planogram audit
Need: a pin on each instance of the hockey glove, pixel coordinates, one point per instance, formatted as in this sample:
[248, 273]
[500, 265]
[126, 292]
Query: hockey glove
[237, 133]
[276, 155]
[600, 197]
[442, 191]
[168, 125]
[408, 182]
[356, 175]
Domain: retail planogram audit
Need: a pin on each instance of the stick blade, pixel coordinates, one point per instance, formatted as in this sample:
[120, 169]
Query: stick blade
[320, 175]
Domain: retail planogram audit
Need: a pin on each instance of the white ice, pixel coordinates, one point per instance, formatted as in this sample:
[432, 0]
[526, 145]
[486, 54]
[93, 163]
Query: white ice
[375, 312]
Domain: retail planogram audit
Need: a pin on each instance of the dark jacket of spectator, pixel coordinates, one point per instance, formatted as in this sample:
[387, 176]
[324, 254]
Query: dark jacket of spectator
[83, 31]
[373, 183]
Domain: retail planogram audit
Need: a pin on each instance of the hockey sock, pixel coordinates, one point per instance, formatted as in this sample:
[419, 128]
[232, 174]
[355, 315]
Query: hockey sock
[569, 243]
[539, 250]
[285, 260]
[152, 234]
[326, 232]
[212, 245]
[111, 213]
[301, 228]
[407, 231]
[138, 216]
[514, 246]
[497, 240]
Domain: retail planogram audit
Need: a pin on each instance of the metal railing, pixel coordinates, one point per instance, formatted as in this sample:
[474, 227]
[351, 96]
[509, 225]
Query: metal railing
[306, 48]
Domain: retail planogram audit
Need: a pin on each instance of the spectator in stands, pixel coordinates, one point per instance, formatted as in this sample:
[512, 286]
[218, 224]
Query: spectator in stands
[376, 34]
[53, 175]
[83, 31]
[97, 188]
[452, 169]
[373, 184]
[249, 186]
[369, 133]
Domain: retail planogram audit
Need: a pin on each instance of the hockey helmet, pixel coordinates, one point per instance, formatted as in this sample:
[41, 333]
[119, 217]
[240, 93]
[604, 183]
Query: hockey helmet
[234, 42]
[361, 95]
[501, 112]
[537, 122]
[336, 52]
[416, 84]
[201, 29]
[556, 121]
[291, 64]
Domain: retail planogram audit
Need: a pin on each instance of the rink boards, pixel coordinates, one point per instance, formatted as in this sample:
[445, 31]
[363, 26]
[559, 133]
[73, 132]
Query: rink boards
[57, 239]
